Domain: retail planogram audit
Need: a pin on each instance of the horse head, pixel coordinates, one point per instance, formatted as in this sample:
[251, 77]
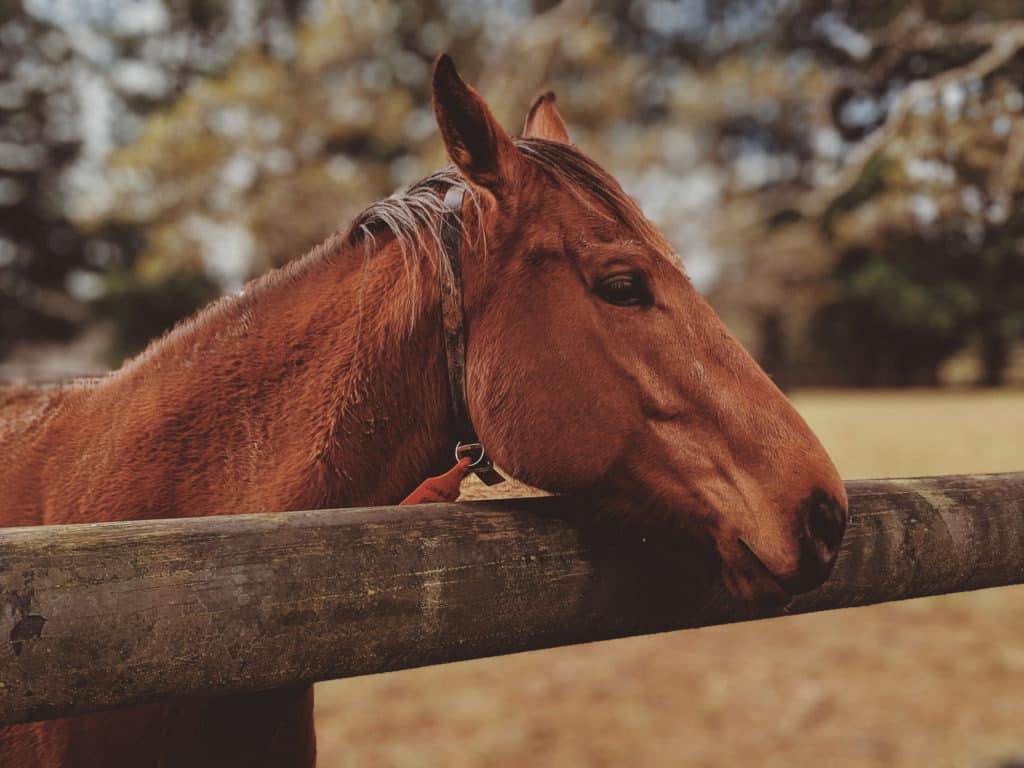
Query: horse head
[594, 363]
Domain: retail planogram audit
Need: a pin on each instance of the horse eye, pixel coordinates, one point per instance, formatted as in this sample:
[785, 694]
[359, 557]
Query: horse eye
[625, 289]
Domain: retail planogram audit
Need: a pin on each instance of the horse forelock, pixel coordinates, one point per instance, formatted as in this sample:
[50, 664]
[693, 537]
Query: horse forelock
[591, 182]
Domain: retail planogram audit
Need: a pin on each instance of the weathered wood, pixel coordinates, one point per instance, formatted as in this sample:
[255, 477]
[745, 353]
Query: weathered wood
[97, 616]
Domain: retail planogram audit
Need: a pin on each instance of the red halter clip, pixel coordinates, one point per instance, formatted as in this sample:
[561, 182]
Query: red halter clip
[441, 488]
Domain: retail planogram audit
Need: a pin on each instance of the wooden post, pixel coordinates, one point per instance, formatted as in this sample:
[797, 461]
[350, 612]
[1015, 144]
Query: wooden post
[104, 615]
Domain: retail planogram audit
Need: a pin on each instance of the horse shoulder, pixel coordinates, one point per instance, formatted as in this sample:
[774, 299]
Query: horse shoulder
[27, 419]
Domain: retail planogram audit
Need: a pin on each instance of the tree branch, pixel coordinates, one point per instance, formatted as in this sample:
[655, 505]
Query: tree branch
[1005, 45]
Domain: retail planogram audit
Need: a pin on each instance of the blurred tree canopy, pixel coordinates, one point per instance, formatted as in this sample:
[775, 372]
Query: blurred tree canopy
[78, 80]
[909, 246]
[842, 178]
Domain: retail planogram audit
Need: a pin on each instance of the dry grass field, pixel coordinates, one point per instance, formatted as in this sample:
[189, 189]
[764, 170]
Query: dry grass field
[937, 682]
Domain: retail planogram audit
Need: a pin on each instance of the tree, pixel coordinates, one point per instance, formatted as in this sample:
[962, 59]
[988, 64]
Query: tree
[78, 79]
[917, 212]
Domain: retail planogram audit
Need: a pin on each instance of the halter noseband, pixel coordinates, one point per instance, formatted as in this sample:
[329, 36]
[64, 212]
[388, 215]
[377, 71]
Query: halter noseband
[453, 321]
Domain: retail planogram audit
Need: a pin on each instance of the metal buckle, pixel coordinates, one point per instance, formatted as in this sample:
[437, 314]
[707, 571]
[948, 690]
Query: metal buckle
[481, 465]
[467, 450]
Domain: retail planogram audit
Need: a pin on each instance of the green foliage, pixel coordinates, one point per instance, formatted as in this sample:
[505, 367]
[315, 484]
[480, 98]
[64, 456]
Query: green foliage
[894, 318]
[899, 310]
[285, 119]
[870, 183]
[77, 77]
[143, 311]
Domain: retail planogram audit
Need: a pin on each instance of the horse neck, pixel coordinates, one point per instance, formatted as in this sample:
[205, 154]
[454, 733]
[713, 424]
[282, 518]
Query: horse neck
[321, 386]
[388, 424]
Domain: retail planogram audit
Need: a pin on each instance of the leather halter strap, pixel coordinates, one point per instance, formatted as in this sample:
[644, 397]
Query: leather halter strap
[453, 320]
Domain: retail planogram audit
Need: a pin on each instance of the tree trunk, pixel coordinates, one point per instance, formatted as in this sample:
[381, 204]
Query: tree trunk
[994, 355]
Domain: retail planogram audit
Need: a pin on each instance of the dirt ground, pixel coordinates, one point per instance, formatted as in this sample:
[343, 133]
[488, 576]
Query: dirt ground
[937, 682]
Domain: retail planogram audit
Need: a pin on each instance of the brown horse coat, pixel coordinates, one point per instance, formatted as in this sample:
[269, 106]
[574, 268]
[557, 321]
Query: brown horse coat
[592, 364]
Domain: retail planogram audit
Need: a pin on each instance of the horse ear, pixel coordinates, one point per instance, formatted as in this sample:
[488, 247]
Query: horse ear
[478, 146]
[544, 121]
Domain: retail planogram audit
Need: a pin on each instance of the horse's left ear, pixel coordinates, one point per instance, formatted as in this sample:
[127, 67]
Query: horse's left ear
[544, 121]
[478, 146]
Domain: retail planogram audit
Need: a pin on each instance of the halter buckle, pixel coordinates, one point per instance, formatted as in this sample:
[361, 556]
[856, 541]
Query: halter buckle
[463, 451]
[481, 466]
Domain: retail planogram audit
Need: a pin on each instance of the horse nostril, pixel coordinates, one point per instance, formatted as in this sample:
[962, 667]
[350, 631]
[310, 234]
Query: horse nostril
[826, 522]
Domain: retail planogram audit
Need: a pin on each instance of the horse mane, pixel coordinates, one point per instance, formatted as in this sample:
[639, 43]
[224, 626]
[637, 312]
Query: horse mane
[412, 217]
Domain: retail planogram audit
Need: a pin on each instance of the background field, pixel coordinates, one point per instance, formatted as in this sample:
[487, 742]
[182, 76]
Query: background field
[928, 682]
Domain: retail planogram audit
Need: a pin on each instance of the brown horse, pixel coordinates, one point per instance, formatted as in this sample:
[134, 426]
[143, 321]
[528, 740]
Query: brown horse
[592, 363]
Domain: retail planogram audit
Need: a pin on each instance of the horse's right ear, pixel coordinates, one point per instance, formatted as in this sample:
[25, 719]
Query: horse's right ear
[544, 120]
[478, 146]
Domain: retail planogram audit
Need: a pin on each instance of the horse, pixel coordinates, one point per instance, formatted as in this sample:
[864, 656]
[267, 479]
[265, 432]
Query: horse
[591, 362]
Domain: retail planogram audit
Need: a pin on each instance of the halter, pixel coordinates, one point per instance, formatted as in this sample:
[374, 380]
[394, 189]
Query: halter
[453, 321]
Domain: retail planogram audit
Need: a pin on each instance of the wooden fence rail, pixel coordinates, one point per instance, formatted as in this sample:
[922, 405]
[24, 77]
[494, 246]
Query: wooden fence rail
[103, 615]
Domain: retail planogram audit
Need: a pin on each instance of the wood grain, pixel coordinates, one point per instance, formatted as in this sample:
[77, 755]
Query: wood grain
[104, 615]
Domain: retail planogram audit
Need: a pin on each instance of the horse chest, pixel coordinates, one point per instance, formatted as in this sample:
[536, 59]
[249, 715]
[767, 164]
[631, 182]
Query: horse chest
[264, 730]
